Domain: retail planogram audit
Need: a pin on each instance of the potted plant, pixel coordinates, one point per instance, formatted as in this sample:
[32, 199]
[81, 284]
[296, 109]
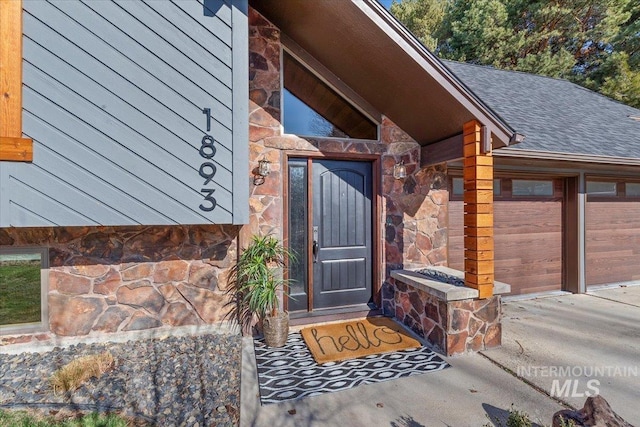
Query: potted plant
[255, 283]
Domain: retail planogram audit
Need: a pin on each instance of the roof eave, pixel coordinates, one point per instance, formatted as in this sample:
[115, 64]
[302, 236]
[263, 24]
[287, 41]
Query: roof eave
[503, 134]
[567, 157]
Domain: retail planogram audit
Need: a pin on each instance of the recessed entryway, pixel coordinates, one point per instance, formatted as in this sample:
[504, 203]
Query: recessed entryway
[330, 228]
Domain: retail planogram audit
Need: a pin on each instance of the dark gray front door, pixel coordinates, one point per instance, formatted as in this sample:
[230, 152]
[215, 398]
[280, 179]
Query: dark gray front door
[341, 233]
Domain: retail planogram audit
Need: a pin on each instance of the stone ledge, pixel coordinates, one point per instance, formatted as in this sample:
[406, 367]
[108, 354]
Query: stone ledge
[444, 291]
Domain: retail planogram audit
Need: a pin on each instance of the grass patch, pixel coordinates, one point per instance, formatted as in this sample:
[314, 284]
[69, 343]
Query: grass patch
[19, 292]
[24, 419]
[74, 374]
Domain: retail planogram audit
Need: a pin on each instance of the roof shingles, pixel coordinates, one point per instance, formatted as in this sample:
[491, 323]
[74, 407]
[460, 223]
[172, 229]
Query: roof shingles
[555, 115]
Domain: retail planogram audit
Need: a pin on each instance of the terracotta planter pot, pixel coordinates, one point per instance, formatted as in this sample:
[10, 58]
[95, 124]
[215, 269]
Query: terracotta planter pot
[276, 329]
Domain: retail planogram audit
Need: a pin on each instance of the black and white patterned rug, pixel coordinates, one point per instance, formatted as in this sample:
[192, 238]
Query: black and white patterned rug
[290, 373]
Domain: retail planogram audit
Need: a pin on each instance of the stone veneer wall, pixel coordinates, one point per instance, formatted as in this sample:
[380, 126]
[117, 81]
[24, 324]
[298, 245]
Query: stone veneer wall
[111, 279]
[453, 327]
[414, 210]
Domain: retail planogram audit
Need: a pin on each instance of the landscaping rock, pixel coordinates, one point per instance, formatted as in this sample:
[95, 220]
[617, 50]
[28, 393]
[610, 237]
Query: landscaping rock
[177, 381]
[596, 413]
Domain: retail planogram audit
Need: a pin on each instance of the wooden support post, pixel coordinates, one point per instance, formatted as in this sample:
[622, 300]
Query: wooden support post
[478, 212]
[13, 147]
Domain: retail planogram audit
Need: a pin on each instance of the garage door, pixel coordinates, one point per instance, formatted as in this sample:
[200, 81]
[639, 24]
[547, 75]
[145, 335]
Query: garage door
[612, 231]
[527, 233]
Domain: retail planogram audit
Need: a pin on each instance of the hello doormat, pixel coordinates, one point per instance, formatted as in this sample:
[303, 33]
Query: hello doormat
[357, 338]
[290, 373]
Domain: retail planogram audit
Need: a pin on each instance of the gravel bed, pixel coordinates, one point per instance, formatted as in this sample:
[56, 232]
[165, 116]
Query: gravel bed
[177, 381]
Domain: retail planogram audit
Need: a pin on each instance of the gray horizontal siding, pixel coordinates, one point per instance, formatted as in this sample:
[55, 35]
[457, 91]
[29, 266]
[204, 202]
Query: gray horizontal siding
[113, 94]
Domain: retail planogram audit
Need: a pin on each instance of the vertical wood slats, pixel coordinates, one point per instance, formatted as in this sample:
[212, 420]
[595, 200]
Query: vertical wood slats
[12, 146]
[478, 212]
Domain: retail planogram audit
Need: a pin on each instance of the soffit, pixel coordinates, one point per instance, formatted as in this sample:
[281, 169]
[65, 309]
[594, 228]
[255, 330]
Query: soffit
[343, 36]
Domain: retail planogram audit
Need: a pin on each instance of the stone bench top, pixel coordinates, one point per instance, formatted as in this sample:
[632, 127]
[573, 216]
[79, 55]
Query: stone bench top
[444, 291]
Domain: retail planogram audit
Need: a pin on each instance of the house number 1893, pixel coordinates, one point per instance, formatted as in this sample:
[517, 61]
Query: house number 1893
[207, 171]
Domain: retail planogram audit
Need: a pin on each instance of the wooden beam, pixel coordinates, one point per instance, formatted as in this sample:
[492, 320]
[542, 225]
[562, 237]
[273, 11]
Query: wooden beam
[478, 210]
[447, 150]
[12, 146]
[16, 149]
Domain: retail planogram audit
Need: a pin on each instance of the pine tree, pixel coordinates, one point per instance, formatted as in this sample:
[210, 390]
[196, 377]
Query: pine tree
[595, 43]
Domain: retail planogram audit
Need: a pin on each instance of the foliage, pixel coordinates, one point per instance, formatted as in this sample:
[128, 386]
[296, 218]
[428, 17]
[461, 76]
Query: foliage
[423, 17]
[23, 419]
[74, 374]
[516, 419]
[19, 292]
[257, 278]
[595, 43]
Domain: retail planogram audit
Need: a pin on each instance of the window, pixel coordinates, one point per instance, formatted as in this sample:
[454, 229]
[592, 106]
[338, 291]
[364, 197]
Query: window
[23, 289]
[632, 189]
[529, 187]
[312, 108]
[602, 188]
[458, 187]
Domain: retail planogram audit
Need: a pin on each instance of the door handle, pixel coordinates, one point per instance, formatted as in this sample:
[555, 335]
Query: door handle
[314, 249]
[314, 246]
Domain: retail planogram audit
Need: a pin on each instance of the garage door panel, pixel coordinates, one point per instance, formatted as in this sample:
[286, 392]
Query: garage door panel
[527, 242]
[521, 217]
[612, 241]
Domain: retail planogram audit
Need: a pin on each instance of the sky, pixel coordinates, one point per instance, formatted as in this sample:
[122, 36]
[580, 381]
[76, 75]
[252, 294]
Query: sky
[386, 3]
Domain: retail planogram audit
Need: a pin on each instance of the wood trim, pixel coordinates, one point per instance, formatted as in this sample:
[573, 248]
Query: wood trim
[11, 68]
[478, 211]
[12, 146]
[309, 233]
[447, 150]
[362, 157]
[376, 247]
[571, 225]
[16, 149]
[285, 229]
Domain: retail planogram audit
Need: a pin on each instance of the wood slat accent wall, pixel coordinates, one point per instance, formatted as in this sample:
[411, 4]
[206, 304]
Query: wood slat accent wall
[478, 212]
[113, 95]
[527, 240]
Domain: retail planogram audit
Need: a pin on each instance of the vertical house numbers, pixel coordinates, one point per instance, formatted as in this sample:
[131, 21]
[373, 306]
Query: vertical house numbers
[207, 168]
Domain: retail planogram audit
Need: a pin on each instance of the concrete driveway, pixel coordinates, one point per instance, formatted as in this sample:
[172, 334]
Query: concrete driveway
[572, 345]
[594, 337]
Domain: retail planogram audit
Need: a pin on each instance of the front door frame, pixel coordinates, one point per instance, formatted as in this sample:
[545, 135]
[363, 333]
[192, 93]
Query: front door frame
[376, 212]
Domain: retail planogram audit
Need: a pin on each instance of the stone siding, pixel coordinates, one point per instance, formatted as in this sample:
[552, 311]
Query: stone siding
[413, 211]
[453, 327]
[112, 279]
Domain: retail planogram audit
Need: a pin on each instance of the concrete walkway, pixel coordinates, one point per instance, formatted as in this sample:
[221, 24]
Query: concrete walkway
[462, 395]
[583, 331]
[576, 344]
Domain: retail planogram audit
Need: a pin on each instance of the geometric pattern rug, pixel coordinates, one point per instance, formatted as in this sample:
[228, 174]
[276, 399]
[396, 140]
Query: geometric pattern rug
[291, 373]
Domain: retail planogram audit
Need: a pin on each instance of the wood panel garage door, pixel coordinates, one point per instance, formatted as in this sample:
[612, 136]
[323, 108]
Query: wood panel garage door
[612, 232]
[528, 233]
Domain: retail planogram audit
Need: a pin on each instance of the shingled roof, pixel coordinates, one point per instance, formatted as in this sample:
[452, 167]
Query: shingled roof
[555, 115]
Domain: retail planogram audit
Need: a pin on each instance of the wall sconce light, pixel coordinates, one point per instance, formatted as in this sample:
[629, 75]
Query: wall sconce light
[264, 167]
[400, 170]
